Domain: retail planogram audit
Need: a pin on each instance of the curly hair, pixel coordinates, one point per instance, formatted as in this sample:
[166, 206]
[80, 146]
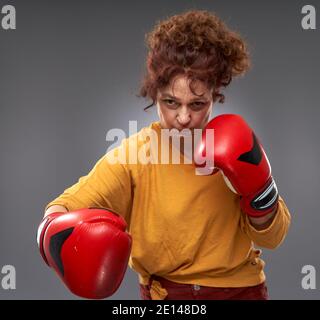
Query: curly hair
[197, 44]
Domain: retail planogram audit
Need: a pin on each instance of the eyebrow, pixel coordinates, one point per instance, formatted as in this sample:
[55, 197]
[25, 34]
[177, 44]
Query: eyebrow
[167, 95]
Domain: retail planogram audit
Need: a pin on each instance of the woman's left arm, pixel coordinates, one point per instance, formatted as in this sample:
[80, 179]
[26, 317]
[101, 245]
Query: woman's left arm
[270, 230]
[264, 222]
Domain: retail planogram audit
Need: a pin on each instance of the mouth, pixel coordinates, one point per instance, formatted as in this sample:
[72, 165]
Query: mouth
[183, 128]
[181, 133]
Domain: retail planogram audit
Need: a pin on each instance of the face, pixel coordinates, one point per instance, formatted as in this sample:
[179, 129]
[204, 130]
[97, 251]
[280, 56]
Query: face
[179, 108]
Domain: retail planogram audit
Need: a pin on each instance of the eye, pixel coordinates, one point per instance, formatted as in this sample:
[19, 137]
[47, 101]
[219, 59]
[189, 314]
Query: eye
[198, 105]
[169, 102]
[172, 104]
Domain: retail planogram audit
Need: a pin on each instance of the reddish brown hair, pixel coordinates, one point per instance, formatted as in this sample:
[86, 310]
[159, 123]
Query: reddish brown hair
[195, 43]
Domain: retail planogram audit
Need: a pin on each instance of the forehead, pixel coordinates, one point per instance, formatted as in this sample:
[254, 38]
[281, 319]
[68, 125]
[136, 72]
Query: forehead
[179, 87]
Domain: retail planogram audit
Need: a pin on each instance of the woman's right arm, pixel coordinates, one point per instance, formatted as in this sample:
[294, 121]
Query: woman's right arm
[107, 185]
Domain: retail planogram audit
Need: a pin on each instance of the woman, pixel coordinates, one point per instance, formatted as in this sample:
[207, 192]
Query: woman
[191, 236]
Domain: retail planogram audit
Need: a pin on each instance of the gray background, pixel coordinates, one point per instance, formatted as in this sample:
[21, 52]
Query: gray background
[70, 72]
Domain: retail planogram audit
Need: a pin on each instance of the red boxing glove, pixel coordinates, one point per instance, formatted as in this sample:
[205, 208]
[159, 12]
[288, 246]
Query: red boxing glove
[88, 249]
[243, 162]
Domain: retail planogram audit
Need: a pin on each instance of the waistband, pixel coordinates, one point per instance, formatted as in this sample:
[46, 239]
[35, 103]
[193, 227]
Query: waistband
[157, 286]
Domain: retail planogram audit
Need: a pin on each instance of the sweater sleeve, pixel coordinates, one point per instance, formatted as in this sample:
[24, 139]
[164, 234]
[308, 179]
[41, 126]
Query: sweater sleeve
[274, 235]
[107, 185]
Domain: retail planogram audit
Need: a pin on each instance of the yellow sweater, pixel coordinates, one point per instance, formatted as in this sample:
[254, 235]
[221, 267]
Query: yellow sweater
[185, 227]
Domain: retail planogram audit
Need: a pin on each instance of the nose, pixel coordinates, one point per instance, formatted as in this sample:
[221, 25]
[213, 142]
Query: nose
[184, 116]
